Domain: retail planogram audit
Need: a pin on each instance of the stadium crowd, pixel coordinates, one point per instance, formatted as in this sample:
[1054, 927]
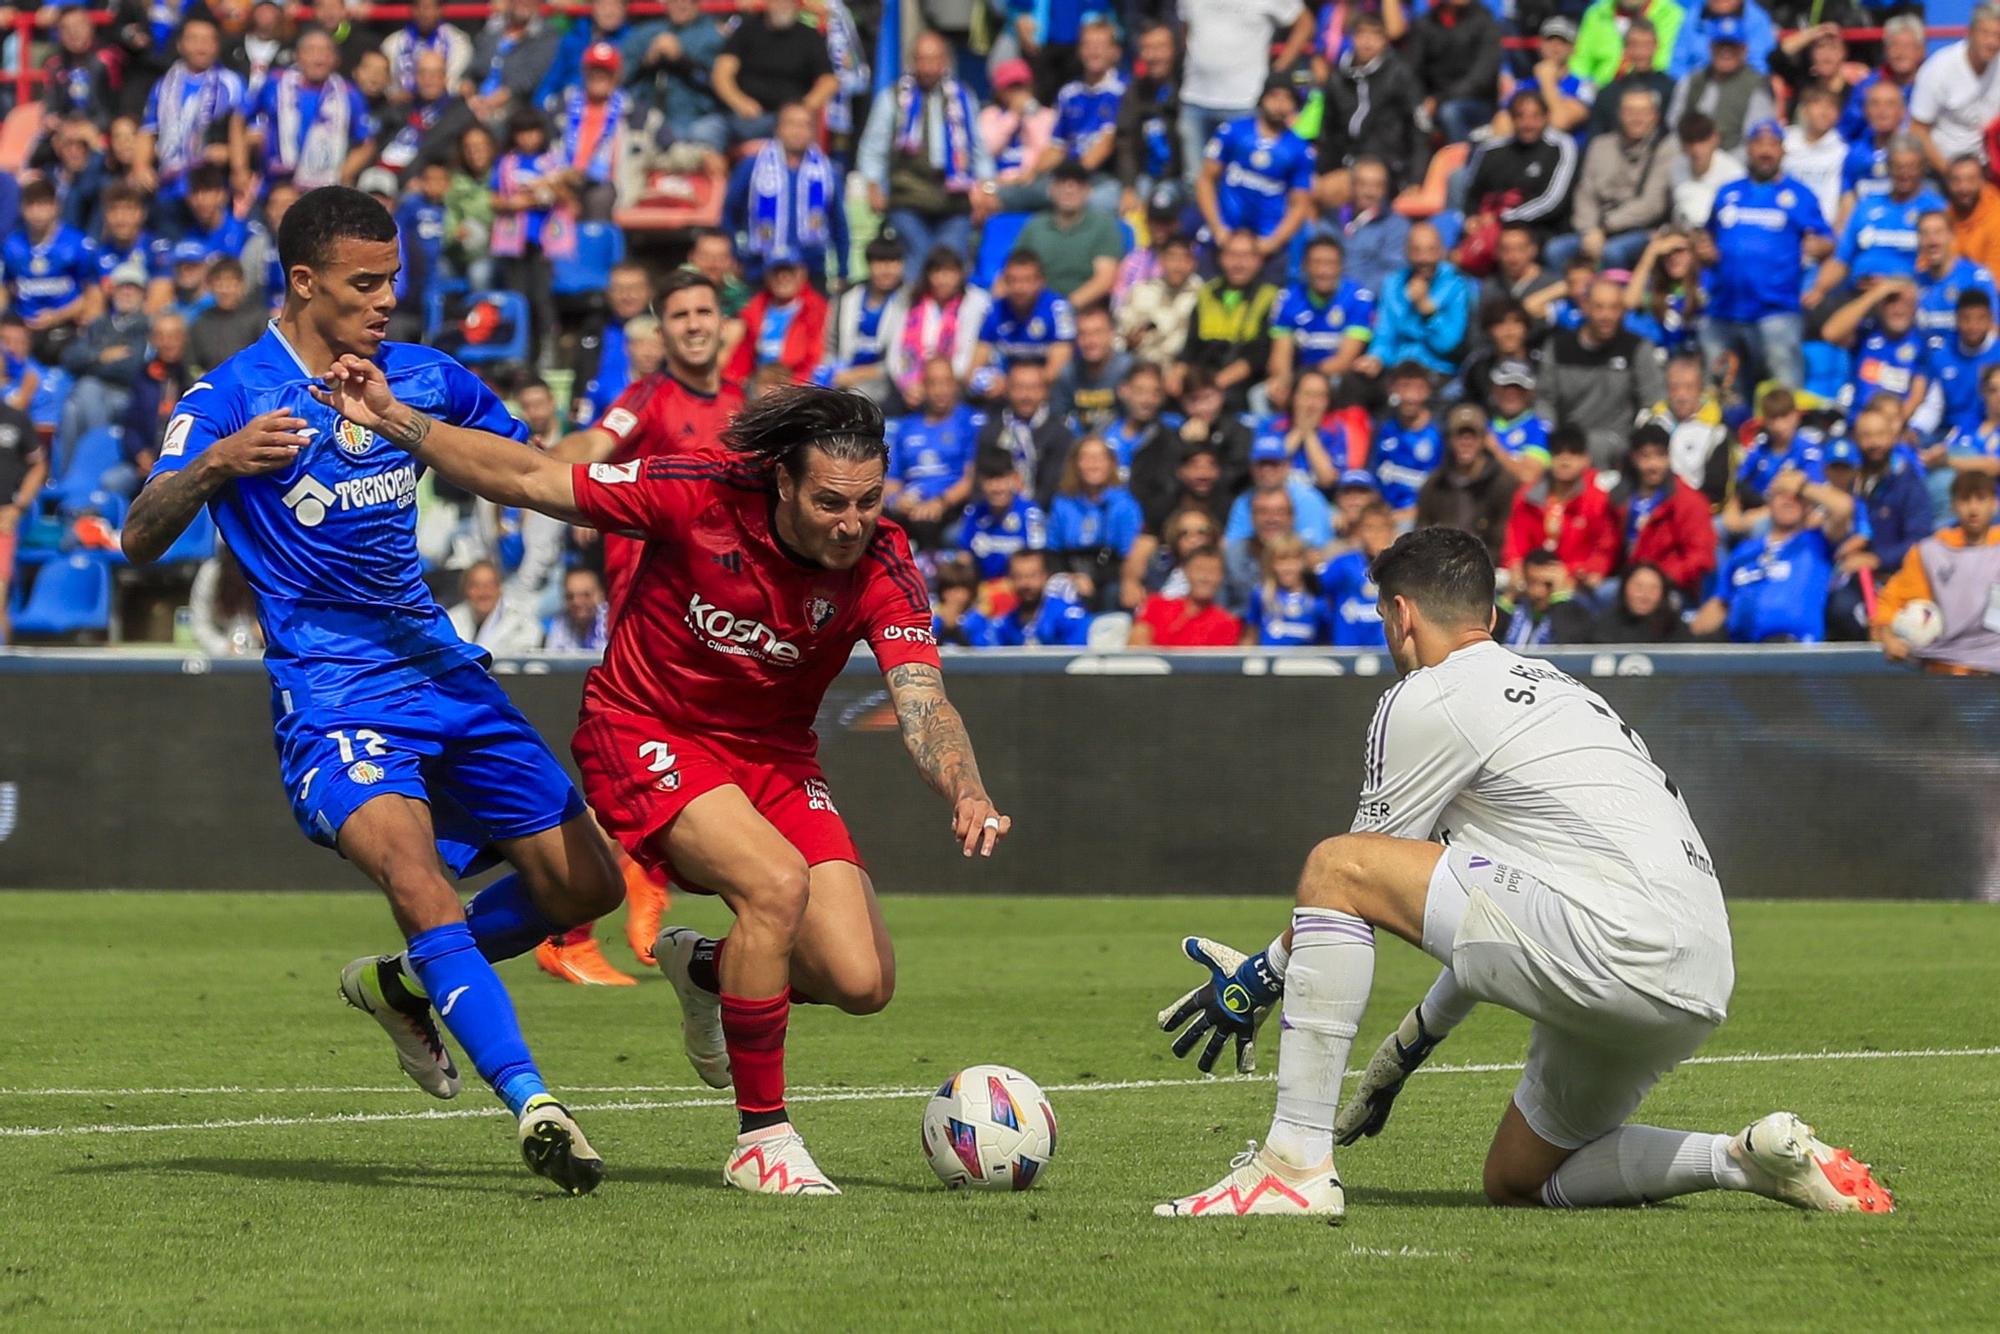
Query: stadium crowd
[1179, 312]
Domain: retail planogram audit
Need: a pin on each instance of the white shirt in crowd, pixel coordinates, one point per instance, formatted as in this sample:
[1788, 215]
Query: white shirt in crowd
[1229, 49]
[1956, 102]
[1513, 760]
[511, 628]
[1817, 166]
[1694, 196]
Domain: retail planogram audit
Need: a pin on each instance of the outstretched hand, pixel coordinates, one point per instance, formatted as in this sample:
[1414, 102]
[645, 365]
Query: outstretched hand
[977, 824]
[358, 390]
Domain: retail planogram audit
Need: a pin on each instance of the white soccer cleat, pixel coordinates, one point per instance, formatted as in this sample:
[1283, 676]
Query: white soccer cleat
[420, 1048]
[1394, 1061]
[553, 1146]
[1260, 1184]
[701, 1012]
[776, 1165]
[1787, 1162]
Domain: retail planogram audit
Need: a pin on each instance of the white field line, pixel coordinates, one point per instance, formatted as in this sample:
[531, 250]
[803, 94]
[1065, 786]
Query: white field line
[882, 1094]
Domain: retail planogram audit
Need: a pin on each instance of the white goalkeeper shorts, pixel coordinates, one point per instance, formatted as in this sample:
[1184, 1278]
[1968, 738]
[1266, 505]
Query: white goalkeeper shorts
[1598, 1045]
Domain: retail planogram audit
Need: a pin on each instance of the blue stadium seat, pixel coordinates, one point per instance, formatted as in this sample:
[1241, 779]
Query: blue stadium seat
[94, 452]
[513, 307]
[599, 245]
[71, 595]
[996, 242]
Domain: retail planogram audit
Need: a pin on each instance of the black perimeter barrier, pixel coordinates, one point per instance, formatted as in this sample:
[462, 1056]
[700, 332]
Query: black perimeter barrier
[1813, 773]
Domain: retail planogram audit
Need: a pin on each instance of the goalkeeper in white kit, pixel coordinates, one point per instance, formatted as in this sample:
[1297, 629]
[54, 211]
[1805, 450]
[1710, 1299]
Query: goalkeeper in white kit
[1514, 828]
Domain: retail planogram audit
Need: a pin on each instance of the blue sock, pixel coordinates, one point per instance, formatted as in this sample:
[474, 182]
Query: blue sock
[476, 1008]
[504, 920]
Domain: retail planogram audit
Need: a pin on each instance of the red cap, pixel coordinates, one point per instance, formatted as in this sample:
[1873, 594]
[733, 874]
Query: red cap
[1011, 72]
[603, 55]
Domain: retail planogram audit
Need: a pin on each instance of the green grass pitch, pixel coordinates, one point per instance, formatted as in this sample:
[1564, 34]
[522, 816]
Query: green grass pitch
[311, 1187]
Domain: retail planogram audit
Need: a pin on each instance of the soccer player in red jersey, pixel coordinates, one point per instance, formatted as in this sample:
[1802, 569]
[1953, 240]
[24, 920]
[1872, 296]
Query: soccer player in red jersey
[765, 565]
[681, 409]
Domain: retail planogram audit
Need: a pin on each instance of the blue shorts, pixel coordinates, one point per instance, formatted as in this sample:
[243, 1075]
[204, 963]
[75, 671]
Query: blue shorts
[456, 742]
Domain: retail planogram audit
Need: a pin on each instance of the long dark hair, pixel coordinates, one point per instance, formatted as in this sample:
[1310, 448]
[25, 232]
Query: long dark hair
[778, 429]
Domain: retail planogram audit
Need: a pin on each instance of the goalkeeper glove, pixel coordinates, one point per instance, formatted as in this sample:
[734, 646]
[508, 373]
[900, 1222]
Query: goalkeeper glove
[1232, 1004]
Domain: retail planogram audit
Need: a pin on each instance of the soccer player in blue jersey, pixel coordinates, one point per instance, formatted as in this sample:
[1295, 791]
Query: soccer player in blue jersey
[1258, 177]
[396, 747]
[1323, 323]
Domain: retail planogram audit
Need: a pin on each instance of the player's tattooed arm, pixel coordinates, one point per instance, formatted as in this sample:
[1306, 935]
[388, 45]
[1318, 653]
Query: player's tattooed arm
[935, 736]
[268, 442]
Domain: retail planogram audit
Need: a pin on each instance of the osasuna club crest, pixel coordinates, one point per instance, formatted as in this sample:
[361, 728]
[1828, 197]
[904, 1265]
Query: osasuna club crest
[820, 610]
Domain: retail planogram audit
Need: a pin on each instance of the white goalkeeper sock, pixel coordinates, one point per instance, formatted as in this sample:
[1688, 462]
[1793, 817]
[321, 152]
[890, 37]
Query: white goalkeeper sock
[1445, 1005]
[1326, 988]
[1641, 1165]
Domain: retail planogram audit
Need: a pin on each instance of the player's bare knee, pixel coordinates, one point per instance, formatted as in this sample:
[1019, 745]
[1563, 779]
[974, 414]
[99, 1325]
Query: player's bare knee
[1334, 876]
[595, 881]
[873, 995]
[775, 895]
[1506, 1189]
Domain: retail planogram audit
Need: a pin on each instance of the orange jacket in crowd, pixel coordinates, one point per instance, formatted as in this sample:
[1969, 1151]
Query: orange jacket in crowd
[1978, 233]
[1913, 584]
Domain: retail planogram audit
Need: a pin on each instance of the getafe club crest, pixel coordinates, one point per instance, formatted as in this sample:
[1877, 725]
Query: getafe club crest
[353, 440]
[819, 611]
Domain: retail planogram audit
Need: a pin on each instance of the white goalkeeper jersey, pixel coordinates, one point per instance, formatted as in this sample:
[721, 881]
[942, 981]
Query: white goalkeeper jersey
[1514, 760]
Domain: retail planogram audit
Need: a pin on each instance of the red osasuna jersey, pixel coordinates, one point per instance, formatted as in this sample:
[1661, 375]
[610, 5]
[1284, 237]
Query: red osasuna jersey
[657, 415]
[723, 632]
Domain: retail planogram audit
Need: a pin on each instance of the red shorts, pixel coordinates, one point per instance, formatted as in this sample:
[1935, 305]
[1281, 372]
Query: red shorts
[638, 775]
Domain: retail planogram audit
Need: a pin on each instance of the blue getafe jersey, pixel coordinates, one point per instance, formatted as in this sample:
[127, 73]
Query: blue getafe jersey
[146, 249]
[1258, 173]
[1778, 588]
[1318, 328]
[1525, 435]
[419, 224]
[1083, 113]
[1350, 602]
[930, 457]
[1866, 170]
[1981, 441]
[1761, 462]
[1884, 363]
[1018, 337]
[1956, 373]
[1937, 298]
[1078, 523]
[992, 536]
[1759, 229]
[227, 237]
[52, 274]
[1404, 457]
[1881, 235]
[1058, 622]
[330, 543]
[1293, 617]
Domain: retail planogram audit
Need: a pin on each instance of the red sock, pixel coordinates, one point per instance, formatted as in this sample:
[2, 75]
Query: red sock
[754, 1032]
[576, 935]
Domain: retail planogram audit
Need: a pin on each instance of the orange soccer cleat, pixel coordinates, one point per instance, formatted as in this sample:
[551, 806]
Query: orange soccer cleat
[581, 962]
[646, 901]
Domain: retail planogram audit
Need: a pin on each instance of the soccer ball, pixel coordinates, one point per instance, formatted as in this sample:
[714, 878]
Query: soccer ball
[990, 1128]
[1919, 624]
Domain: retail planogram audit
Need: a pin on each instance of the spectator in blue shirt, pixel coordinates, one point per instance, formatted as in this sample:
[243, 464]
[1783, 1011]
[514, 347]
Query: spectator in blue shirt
[1424, 310]
[789, 195]
[1086, 128]
[1044, 615]
[1760, 35]
[607, 22]
[1944, 275]
[1408, 446]
[1956, 364]
[1866, 170]
[1376, 236]
[1904, 46]
[1880, 239]
[420, 232]
[51, 273]
[1346, 586]
[1001, 521]
[1028, 322]
[1773, 588]
[1889, 356]
[955, 616]
[1759, 234]
[1271, 470]
[930, 458]
[1093, 521]
[1258, 176]
[1889, 491]
[1323, 323]
[1285, 610]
